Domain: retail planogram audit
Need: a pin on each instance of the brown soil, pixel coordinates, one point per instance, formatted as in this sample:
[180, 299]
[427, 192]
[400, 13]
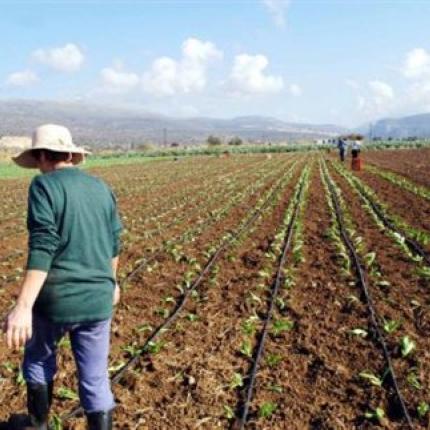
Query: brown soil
[414, 210]
[318, 374]
[412, 163]
[186, 385]
[407, 297]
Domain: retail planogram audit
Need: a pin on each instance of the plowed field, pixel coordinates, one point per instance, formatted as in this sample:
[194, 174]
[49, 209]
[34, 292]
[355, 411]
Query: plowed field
[282, 292]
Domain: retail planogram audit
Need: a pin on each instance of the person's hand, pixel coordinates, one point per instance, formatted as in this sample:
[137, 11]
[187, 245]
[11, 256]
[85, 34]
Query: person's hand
[116, 295]
[18, 326]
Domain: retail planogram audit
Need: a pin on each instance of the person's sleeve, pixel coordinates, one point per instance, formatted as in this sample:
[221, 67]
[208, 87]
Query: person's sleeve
[116, 228]
[43, 240]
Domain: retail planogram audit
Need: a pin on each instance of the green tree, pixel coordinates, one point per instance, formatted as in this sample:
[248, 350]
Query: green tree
[213, 141]
[235, 141]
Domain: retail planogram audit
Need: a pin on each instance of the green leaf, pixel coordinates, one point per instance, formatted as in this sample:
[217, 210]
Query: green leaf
[56, 423]
[413, 380]
[407, 346]
[370, 258]
[378, 414]
[273, 360]
[281, 325]
[359, 332]
[154, 347]
[248, 326]
[144, 327]
[228, 412]
[267, 409]
[423, 272]
[236, 381]
[372, 378]
[20, 377]
[192, 317]
[390, 326]
[246, 348]
[423, 409]
[275, 388]
[65, 393]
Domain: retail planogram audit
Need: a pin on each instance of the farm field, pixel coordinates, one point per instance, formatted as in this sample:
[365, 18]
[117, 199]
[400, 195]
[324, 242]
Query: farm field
[259, 292]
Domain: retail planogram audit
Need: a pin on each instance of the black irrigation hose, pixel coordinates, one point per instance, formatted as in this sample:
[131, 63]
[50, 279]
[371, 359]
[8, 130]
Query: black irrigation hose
[412, 244]
[181, 303]
[369, 301]
[241, 422]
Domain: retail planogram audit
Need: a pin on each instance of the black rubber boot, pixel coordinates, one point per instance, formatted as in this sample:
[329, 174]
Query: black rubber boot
[100, 420]
[39, 399]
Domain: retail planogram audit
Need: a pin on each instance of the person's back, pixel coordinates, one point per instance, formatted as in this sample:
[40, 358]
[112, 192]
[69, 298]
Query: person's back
[80, 282]
[70, 280]
[341, 146]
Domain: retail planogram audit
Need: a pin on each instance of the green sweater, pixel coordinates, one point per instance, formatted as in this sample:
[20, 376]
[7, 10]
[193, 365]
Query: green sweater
[74, 231]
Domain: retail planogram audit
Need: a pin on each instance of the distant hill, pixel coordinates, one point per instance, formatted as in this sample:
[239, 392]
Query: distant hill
[398, 128]
[103, 125]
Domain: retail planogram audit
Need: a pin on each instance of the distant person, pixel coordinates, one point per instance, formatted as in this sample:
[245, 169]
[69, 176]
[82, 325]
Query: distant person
[341, 145]
[355, 149]
[70, 280]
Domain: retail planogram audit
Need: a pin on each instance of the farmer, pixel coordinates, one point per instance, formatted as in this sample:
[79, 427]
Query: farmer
[341, 145]
[70, 280]
[355, 148]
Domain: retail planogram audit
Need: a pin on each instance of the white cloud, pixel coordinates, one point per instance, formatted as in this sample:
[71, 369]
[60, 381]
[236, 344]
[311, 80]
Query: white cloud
[295, 90]
[381, 90]
[417, 63]
[278, 10]
[168, 76]
[116, 80]
[247, 75]
[22, 79]
[378, 100]
[68, 58]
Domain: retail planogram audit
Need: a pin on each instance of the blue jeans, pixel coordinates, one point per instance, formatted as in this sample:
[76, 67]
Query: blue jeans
[90, 346]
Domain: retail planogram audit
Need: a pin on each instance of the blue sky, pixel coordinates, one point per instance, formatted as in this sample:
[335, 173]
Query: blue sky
[326, 61]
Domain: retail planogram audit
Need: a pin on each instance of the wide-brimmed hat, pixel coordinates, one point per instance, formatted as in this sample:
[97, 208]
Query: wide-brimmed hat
[53, 138]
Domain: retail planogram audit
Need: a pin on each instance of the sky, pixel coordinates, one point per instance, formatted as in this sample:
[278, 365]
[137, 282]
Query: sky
[344, 62]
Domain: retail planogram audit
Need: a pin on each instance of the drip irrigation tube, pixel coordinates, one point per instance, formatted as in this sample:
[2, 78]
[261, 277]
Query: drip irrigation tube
[413, 245]
[362, 281]
[241, 422]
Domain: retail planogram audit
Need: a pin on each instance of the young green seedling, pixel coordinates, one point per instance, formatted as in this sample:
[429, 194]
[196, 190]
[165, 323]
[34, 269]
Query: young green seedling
[249, 326]
[407, 346]
[273, 360]
[280, 326]
[372, 378]
[267, 409]
[246, 348]
[155, 347]
[413, 380]
[228, 412]
[56, 423]
[423, 409]
[390, 326]
[359, 332]
[192, 317]
[65, 393]
[236, 381]
[378, 415]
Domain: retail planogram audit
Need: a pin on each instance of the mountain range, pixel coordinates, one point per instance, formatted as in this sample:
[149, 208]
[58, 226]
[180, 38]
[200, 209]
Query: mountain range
[107, 126]
[400, 128]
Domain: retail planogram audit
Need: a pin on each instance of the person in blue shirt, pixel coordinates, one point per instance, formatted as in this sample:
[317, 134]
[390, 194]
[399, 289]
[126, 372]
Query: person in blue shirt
[341, 145]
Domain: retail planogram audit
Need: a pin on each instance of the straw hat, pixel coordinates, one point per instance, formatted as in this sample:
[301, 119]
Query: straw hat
[54, 138]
